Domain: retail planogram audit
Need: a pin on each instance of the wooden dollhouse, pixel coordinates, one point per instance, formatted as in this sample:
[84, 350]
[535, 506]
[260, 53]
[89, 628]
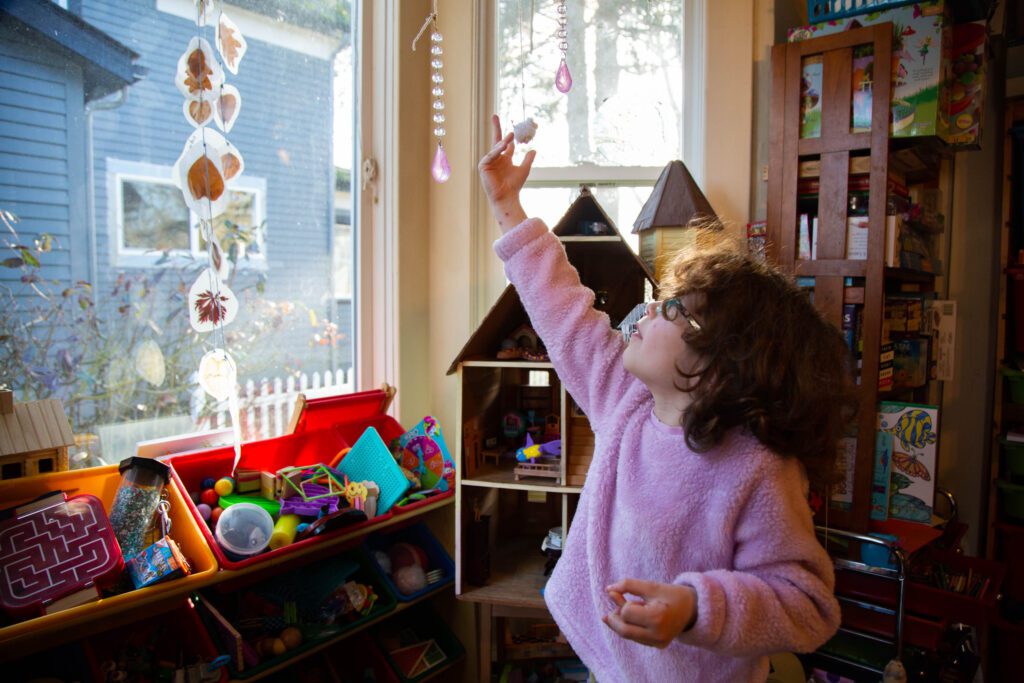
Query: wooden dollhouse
[34, 437]
[505, 509]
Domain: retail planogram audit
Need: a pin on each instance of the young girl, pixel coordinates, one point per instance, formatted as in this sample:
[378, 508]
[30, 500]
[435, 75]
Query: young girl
[692, 555]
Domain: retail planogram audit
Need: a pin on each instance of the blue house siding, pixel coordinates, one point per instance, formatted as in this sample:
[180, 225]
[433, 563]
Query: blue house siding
[36, 135]
[284, 133]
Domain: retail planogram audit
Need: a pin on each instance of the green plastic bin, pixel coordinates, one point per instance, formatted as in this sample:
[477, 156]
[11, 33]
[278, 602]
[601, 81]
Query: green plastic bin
[1011, 499]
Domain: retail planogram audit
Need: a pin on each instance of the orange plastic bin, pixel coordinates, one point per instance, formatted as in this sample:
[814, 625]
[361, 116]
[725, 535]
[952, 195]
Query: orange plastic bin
[23, 637]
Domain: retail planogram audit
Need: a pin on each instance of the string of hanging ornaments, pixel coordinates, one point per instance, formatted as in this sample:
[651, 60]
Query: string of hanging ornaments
[440, 170]
[203, 172]
[525, 130]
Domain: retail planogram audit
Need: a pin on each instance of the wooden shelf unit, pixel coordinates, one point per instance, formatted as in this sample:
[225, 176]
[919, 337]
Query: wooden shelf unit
[831, 270]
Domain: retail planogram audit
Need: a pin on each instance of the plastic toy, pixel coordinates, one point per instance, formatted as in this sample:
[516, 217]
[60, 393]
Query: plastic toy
[410, 579]
[205, 510]
[532, 451]
[225, 486]
[247, 481]
[284, 531]
[53, 548]
[161, 561]
[337, 520]
[209, 497]
[215, 514]
[136, 501]
[207, 483]
[244, 529]
[271, 506]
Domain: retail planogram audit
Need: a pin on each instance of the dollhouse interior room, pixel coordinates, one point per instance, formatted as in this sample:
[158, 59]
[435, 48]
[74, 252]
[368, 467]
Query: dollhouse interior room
[276, 401]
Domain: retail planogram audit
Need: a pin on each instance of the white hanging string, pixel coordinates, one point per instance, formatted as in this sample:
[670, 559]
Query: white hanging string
[427, 23]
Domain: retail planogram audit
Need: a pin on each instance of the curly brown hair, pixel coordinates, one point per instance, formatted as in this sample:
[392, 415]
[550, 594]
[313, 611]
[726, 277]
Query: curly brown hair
[770, 362]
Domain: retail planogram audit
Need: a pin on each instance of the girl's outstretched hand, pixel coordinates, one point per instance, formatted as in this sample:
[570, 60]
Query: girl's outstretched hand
[503, 180]
[663, 612]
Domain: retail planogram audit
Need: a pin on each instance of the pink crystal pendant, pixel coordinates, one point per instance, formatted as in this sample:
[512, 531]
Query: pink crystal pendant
[440, 169]
[563, 79]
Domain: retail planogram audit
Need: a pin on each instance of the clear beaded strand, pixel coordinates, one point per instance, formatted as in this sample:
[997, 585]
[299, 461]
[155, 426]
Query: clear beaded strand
[563, 79]
[439, 170]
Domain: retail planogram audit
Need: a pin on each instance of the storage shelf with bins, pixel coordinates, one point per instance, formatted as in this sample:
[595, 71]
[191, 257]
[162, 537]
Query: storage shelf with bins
[86, 621]
[847, 268]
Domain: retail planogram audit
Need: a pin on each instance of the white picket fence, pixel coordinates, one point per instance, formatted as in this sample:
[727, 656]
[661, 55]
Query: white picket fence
[264, 410]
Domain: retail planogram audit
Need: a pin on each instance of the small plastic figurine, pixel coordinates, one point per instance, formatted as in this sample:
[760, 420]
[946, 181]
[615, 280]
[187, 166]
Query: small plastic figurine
[532, 451]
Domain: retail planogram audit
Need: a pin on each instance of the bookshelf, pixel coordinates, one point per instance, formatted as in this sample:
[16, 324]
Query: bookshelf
[834, 202]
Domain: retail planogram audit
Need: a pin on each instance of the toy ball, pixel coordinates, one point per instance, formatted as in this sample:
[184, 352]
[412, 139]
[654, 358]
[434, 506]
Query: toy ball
[194, 495]
[409, 579]
[264, 648]
[215, 514]
[382, 560]
[406, 554]
[291, 637]
[205, 511]
[207, 483]
[210, 497]
[277, 647]
[224, 486]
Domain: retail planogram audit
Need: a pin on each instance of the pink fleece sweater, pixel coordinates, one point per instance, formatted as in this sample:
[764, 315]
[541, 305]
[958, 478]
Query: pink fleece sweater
[733, 522]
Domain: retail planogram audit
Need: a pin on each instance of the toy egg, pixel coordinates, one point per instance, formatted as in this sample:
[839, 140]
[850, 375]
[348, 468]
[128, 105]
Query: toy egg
[291, 637]
[215, 514]
[277, 647]
[204, 511]
[209, 497]
[207, 483]
[225, 486]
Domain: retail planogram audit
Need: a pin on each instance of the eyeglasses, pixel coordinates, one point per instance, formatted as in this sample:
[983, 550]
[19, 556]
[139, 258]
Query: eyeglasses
[670, 309]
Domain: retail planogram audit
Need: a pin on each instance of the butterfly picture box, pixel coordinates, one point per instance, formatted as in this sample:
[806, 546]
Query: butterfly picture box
[914, 431]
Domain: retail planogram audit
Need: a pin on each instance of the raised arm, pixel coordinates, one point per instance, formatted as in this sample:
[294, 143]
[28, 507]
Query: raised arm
[585, 350]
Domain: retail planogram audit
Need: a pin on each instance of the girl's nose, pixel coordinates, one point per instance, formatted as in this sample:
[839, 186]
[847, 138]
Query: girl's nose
[652, 308]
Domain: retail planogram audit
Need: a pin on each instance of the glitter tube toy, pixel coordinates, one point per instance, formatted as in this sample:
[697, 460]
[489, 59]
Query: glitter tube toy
[136, 501]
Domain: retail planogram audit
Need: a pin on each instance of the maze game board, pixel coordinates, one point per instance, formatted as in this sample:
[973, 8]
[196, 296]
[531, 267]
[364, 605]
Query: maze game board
[53, 548]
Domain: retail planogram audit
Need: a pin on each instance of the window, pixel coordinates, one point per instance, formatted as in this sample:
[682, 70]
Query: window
[99, 250]
[621, 121]
[153, 221]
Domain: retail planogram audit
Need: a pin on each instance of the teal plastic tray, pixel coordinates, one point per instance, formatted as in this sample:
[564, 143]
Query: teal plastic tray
[371, 459]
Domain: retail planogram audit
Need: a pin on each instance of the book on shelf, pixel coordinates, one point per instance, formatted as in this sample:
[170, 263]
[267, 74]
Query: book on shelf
[910, 362]
[914, 431]
[857, 230]
[804, 237]
[881, 476]
[849, 325]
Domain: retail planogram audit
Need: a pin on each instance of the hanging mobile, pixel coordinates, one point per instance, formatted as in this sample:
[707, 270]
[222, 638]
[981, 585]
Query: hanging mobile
[563, 79]
[527, 127]
[439, 169]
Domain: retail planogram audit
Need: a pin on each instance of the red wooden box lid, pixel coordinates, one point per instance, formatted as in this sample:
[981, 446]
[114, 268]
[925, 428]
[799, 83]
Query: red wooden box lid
[321, 413]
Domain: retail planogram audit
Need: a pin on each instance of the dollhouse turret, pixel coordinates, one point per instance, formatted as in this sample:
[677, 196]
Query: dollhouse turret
[665, 221]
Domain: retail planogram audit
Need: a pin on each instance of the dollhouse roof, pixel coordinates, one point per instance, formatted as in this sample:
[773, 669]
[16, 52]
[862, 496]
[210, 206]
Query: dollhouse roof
[34, 426]
[675, 200]
[607, 260]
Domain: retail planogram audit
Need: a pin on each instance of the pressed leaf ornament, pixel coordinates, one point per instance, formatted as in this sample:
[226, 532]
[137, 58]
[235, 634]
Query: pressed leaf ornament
[211, 303]
[231, 43]
[197, 112]
[199, 75]
[205, 11]
[228, 104]
[440, 169]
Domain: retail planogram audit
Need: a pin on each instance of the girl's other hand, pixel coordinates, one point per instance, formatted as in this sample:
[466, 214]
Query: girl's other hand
[502, 179]
[663, 612]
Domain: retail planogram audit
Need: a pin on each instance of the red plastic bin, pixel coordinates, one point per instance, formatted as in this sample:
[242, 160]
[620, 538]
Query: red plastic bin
[338, 428]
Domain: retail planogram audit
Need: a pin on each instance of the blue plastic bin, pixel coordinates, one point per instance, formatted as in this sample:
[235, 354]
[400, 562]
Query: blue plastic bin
[418, 535]
[828, 10]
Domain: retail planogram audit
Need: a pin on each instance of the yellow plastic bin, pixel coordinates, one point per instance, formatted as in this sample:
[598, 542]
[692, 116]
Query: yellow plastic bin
[23, 637]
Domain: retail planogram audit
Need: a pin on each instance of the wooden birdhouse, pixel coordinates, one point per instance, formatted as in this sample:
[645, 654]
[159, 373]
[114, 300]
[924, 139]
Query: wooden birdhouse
[666, 219]
[34, 437]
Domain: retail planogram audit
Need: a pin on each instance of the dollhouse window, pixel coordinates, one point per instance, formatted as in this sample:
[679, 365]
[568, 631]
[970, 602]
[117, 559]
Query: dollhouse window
[45, 465]
[11, 470]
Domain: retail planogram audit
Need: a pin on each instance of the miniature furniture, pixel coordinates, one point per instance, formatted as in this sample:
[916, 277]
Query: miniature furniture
[664, 221]
[504, 511]
[34, 437]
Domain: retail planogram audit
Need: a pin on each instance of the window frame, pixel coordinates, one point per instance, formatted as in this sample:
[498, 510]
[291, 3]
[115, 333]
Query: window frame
[121, 170]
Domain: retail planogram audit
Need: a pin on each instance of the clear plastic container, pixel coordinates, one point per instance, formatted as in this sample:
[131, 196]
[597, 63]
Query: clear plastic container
[136, 501]
[244, 530]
